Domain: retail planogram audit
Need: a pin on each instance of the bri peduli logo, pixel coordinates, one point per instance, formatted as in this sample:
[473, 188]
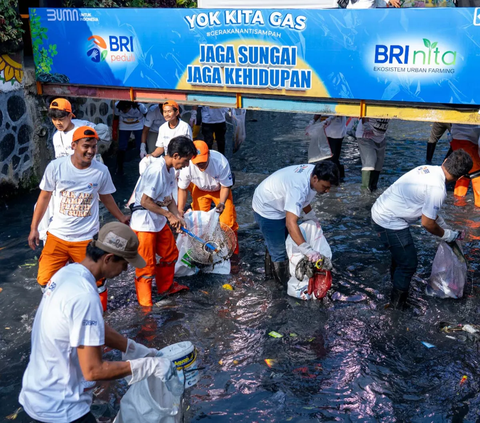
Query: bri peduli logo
[91, 186]
[117, 49]
[426, 58]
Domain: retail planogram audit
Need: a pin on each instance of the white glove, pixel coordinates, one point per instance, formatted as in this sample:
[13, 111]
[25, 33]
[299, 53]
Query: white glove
[311, 216]
[136, 350]
[193, 118]
[149, 366]
[143, 150]
[450, 235]
[309, 252]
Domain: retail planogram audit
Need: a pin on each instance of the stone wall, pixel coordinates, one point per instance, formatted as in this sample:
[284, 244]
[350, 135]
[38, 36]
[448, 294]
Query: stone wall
[25, 130]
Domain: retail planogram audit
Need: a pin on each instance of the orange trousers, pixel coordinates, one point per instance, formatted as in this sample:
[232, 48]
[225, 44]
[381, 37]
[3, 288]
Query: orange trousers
[461, 187]
[150, 245]
[202, 200]
[57, 253]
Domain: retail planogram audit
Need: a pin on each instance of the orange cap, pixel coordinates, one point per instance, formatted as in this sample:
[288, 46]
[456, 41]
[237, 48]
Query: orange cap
[61, 104]
[171, 103]
[84, 132]
[202, 152]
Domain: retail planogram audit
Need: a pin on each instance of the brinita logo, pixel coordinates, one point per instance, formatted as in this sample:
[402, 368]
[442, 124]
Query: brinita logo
[405, 55]
[98, 52]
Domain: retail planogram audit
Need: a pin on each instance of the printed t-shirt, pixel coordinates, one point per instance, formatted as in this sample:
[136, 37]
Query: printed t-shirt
[420, 191]
[75, 216]
[213, 114]
[336, 127]
[286, 190]
[154, 118]
[133, 119]
[70, 315]
[465, 132]
[216, 174]
[62, 141]
[374, 129]
[165, 133]
[158, 183]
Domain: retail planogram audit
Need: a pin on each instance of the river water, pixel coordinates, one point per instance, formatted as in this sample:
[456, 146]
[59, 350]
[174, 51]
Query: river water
[345, 358]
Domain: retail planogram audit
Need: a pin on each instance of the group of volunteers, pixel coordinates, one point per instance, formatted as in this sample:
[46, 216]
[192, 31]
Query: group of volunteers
[69, 331]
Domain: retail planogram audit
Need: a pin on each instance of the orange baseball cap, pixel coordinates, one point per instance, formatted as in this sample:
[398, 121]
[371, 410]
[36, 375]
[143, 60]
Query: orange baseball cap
[61, 104]
[202, 152]
[171, 103]
[84, 132]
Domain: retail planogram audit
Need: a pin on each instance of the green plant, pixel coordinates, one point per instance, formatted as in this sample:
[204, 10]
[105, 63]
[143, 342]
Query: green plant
[10, 22]
[42, 54]
[187, 3]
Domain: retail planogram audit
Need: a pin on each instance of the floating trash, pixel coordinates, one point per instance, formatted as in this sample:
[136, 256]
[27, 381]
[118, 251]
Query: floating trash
[228, 287]
[14, 415]
[428, 345]
[274, 334]
[270, 362]
[463, 380]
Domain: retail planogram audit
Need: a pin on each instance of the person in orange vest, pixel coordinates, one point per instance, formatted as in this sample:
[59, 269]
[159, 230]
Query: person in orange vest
[155, 205]
[77, 182]
[209, 179]
[466, 137]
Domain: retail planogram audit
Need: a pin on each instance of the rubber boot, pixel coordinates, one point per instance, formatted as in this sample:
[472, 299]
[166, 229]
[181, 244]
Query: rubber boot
[281, 271]
[120, 161]
[366, 176]
[430, 150]
[341, 169]
[398, 299]
[144, 291]
[268, 266]
[373, 183]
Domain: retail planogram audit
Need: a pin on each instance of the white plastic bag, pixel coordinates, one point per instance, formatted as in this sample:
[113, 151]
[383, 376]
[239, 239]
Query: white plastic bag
[239, 133]
[449, 273]
[319, 148]
[149, 401]
[313, 234]
[46, 219]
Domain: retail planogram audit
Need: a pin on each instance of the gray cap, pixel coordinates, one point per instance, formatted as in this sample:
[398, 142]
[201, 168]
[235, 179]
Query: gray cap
[117, 238]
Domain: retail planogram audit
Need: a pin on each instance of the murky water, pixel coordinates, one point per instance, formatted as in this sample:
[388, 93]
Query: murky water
[343, 359]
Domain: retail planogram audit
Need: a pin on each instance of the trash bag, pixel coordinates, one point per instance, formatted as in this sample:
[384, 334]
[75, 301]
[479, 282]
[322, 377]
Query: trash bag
[105, 138]
[449, 273]
[239, 133]
[149, 401]
[319, 148]
[313, 234]
[206, 225]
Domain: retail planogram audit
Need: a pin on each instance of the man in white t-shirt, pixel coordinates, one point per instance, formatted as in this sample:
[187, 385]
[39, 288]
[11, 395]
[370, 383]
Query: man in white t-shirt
[209, 179]
[78, 182]
[69, 333]
[154, 205]
[173, 127]
[466, 137]
[131, 116]
[213, 125]
[372, 144]
[153, 120]
[419, 194]
[60, 111]
[278, 203]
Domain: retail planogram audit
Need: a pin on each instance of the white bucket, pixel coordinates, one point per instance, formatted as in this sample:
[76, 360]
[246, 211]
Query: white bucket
[184, 355]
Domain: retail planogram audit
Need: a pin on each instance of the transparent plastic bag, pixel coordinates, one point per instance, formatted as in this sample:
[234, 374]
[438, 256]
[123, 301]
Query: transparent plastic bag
[319, 148]
[239, 133]
[449, 273]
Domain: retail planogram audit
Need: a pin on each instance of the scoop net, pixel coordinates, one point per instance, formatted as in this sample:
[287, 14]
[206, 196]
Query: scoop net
[206, 225]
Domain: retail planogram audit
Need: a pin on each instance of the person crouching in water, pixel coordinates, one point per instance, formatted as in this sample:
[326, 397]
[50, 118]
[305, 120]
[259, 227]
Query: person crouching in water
[210, 180]
[278, 203]
[154, 206]
[419, 194]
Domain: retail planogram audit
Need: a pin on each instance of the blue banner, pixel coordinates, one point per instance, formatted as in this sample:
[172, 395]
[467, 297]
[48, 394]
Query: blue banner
[414, 55]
